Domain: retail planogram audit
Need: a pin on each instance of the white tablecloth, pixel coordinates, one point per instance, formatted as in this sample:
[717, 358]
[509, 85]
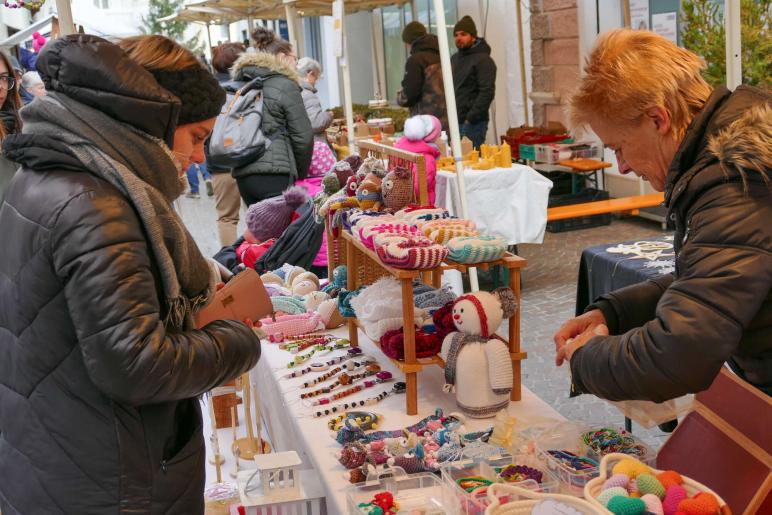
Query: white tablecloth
[290, 426]
[506, 202]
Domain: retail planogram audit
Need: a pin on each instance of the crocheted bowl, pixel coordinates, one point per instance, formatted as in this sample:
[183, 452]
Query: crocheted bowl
[594, 487]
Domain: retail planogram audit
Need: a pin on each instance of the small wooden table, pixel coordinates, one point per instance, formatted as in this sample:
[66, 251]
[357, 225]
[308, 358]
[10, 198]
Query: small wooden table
[364, 267]
[586, 166]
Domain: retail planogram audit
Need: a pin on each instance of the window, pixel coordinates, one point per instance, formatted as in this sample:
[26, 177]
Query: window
[312, 32]
[244, 35]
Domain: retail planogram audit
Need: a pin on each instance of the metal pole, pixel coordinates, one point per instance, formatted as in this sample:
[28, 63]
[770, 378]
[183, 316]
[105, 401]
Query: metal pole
[346, 72]
[64, 15]
[520, 47]
[209, 38]
[455, 135]
[734, 75]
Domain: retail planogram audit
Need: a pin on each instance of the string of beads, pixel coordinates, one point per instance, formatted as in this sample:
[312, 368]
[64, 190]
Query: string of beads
[399, 387]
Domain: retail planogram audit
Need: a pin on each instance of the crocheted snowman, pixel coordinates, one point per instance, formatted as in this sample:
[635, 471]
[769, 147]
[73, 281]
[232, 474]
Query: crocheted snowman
[477, 366]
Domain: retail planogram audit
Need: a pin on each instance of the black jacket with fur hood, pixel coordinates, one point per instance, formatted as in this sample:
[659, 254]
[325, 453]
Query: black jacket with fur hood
[671, 336]
[285, 120]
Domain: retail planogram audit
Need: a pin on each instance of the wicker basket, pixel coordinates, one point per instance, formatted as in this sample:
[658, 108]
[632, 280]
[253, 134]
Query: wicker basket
[521, 501]
[594, 487]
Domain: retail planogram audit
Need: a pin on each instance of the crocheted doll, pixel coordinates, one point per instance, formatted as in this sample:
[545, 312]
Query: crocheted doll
[368, 195]
[330, 186]
[339, 281]
[397, 189]
[477, 366]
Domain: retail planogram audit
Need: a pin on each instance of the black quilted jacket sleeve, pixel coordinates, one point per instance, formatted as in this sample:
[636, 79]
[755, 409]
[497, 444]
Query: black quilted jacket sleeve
[101, 255]
[725, 276]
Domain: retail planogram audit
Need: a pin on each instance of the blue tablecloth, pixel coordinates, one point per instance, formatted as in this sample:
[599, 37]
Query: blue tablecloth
[605, 268]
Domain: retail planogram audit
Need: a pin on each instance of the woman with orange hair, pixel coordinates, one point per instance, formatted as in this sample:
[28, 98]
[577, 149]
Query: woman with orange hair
[710, 151]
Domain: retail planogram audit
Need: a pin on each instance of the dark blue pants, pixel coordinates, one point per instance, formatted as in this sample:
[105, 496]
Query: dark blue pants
[192, 174]
[475, 132]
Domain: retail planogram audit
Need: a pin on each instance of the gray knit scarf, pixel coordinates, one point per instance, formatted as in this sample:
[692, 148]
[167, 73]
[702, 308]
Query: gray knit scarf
[145, 171]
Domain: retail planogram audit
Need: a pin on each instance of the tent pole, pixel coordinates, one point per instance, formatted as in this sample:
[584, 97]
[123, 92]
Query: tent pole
[734, 76]
[346, 72]
[292, 18]
[209, 38]
[64, 15]
[521, 49]
[455, 135]
[626, 19]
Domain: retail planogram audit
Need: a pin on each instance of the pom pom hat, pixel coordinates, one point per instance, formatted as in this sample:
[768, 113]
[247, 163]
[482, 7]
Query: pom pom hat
[269, 218]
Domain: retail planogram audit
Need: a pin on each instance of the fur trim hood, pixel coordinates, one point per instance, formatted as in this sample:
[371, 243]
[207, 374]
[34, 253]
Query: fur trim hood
[264, 60]
[745, 143]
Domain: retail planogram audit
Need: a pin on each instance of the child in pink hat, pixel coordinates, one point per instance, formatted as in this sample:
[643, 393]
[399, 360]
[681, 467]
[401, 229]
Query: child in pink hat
[420, 136]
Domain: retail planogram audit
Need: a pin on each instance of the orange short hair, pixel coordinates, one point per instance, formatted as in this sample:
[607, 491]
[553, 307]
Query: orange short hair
[629, 71]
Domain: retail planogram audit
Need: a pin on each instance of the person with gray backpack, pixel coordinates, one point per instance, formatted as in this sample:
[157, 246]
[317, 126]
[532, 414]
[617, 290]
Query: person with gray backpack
[279, 141]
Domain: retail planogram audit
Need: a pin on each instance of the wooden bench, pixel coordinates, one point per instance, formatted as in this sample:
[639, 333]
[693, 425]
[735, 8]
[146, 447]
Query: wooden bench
[629, 205]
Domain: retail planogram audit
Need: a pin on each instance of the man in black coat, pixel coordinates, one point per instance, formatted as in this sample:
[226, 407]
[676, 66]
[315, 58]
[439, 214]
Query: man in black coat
[422, 89]
[474, 79]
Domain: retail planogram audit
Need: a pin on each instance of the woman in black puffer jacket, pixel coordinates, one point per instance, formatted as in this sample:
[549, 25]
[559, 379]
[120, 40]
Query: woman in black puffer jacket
[710, 152]
[101, 364]
[285, 121]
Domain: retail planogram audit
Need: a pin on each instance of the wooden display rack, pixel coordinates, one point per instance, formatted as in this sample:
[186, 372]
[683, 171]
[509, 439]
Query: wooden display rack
[364, 267]
[336, 250]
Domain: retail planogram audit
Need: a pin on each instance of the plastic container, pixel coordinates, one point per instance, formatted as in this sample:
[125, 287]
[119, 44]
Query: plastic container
[568, 437]
[594, 487]
[513, 500]
[551, 153]
[418, 491]
[474, 503]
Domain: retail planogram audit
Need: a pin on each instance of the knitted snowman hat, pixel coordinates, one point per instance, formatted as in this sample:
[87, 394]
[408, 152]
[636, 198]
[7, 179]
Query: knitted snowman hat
[481, 313]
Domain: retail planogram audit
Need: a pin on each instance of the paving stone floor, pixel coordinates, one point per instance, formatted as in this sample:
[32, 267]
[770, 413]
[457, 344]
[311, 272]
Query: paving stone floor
[549, 293]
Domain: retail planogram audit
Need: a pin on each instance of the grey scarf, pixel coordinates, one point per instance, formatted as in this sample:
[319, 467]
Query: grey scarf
[145, 171]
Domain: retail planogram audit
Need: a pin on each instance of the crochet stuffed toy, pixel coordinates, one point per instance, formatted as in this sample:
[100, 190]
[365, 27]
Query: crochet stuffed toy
[330, 186]
[477, 365]
[342, 171]
[372, 165]
[339, 281]
[304, 283]
[290, 325]
[397, 189]
[368, 195]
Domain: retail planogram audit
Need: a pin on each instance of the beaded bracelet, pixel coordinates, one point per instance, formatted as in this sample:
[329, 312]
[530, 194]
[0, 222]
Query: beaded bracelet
[307, 336]
[321, 367]
[607, 440]
[302, 358]
[346, 380]
[399, 387]
[342, 379]
[576, 463]
[362, 420]
[365, 360]
[382, 377]
[301, 345]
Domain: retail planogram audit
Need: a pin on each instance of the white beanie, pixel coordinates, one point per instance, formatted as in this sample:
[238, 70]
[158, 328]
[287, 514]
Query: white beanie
[417, 127]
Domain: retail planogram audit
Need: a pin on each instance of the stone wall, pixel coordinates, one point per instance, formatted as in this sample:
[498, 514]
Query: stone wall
[554, 57]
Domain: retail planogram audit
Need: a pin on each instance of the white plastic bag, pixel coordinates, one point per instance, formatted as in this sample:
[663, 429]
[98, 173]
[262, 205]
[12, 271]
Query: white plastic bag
[649, 414]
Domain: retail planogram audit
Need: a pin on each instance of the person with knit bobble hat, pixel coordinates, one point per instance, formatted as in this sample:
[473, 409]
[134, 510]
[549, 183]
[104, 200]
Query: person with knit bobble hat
[422, 88]
[474, 80]
[420, 137]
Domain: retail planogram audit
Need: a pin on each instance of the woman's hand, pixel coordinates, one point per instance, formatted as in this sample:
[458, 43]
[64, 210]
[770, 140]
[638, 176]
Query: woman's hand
[566, 351]
[575, 327]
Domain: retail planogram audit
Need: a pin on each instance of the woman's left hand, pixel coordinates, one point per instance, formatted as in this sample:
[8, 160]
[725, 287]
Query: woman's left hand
[566, 351]
[225, 274]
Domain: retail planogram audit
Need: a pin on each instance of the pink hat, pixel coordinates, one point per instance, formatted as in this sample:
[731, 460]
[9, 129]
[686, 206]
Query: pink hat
[38, 41]
[422, 127]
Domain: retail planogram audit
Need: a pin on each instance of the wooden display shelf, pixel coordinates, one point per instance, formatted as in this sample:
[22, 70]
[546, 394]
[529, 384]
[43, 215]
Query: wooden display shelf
[365, 267]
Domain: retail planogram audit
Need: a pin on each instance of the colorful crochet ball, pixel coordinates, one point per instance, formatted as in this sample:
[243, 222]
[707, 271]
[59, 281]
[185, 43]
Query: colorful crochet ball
[631, 468]
[616, 480]
[673, 497]
[701, 504]
[620, 505]
[653, 504]
[606, 495]
[669, 478]
[648, 484]
[632, 489]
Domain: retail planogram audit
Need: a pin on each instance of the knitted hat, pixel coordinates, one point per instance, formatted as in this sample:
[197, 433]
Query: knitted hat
[467, 25]
[413, 31]
[199, 92]
[422, 127]
[269, 218]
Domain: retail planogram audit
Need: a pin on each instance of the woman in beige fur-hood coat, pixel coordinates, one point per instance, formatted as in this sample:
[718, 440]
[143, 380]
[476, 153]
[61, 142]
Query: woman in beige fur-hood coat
[285, 123]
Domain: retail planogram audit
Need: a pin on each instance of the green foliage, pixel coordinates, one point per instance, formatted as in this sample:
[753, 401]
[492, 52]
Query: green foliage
[702, 31]
[175, 30]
